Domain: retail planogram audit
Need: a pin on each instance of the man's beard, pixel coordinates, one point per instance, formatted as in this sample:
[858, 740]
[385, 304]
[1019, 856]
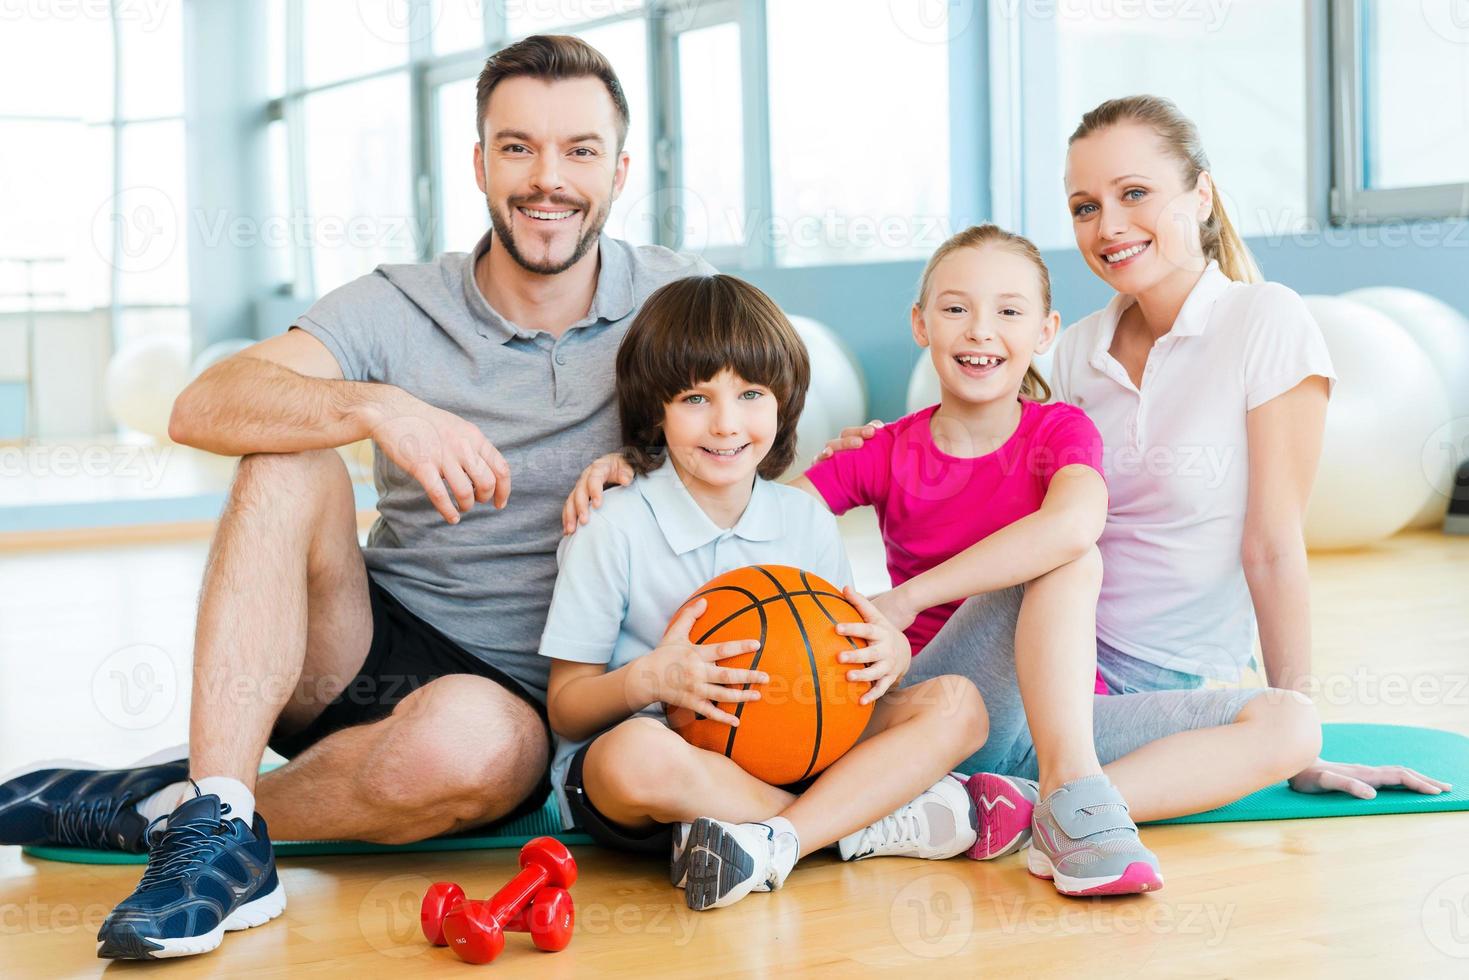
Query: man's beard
[506, 237]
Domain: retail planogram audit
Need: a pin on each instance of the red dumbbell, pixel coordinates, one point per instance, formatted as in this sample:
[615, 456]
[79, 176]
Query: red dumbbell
[475, 930]
[548, 918]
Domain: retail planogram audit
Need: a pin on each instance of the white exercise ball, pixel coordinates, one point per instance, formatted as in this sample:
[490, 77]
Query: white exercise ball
[837, 397]
[1387, 404]
[1443, 334]
[215, 353]
[923, 383]
[143, 379]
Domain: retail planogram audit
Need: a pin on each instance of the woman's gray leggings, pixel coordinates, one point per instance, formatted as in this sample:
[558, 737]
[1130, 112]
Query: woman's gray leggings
[978, 642]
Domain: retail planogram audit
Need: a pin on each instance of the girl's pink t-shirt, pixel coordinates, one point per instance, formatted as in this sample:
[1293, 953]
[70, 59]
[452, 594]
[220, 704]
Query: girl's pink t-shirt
[931, 506]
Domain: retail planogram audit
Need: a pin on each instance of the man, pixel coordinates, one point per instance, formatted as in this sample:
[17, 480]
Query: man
[400, 679]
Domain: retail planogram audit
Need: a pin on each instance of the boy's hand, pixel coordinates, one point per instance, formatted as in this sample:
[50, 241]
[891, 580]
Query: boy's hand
[887, 649]
[852, 437]
[681, 673]
[587, 493]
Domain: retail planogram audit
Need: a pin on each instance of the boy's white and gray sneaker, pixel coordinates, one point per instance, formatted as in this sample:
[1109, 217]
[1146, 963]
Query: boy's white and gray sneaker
[678, 856]
[727, 861]
[937, 824]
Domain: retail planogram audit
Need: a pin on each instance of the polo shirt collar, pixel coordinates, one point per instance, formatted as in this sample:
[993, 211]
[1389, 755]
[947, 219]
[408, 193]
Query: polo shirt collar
[1193, 317]
[611, 301]
[685, 525]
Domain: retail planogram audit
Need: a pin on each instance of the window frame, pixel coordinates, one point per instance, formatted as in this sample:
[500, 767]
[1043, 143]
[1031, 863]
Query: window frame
[1352, 202]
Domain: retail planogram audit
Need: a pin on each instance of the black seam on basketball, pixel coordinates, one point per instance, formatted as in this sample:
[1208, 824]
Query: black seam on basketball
[814, 593]
[754, 603]
[810, 661]
[759, 608]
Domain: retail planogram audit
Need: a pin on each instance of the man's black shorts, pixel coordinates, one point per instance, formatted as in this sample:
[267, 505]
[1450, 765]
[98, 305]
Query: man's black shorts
[406, 653]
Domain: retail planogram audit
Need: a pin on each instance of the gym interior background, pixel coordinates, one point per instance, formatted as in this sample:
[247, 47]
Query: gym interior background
[180, 178]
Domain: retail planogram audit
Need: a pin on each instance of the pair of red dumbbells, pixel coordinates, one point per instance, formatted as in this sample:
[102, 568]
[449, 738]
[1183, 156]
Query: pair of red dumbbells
[535, 901]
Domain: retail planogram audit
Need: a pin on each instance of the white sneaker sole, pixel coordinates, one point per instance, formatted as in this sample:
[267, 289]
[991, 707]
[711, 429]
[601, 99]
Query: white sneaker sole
[1139, 876]
[247, 916]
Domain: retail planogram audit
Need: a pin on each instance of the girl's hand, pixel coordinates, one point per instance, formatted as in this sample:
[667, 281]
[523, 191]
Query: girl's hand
[894, 606]
[1363, 781]
[605, 470]
[852, 437]
[679, 672]
[887, 651]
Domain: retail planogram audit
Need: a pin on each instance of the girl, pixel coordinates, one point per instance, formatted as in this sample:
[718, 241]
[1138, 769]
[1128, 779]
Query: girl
[711, 379]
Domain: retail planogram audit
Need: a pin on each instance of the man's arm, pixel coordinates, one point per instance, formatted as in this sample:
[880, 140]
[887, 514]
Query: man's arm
[282, 395]
[286, 395]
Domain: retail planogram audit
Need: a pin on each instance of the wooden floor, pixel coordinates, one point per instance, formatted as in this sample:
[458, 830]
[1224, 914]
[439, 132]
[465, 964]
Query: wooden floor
[94, 651]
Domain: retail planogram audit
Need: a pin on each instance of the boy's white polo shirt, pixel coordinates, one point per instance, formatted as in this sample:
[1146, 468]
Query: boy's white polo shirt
[1176, 459]
[647, 549]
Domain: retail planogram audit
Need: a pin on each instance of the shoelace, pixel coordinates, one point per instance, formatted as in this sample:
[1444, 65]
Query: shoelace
[899, 827]
[181, 848]
[86, 822]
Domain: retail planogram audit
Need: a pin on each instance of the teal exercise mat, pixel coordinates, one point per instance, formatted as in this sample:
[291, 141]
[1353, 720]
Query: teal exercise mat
[510, 833]
[1442, 755]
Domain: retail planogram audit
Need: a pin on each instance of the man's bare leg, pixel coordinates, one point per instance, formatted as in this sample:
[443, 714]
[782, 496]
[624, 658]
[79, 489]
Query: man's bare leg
[284, 588]
[456, 753]
[284, 625]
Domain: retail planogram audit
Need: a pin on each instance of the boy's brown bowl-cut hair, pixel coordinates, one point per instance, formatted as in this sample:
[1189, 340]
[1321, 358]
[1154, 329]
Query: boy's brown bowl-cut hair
[687, 333]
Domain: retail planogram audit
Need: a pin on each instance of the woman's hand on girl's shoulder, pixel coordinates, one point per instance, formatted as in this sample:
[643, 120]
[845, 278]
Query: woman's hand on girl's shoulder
[887, 653]
[604, 471]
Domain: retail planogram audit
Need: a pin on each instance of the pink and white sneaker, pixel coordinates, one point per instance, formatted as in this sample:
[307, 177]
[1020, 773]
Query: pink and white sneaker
[1002, 806]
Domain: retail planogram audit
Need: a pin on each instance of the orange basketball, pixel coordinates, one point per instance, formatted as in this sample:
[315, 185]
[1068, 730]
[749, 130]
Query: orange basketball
[808, 714]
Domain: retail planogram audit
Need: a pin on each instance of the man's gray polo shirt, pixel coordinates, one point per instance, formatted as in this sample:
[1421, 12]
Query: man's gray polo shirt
[546, 403]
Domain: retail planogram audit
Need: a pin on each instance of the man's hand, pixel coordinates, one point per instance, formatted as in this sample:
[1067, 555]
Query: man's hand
[451, 458]
[1363, 781]
[587, 493]
[887, 651]
[852, 437]
[681, 673]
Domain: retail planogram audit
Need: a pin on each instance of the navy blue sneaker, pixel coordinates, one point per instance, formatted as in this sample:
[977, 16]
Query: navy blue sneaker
[207, 874]
[83, 807]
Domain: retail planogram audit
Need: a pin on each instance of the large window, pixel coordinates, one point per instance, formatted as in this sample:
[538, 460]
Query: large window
[1401, 95]
[859, 132]
[1238, 72]
[95, 209]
